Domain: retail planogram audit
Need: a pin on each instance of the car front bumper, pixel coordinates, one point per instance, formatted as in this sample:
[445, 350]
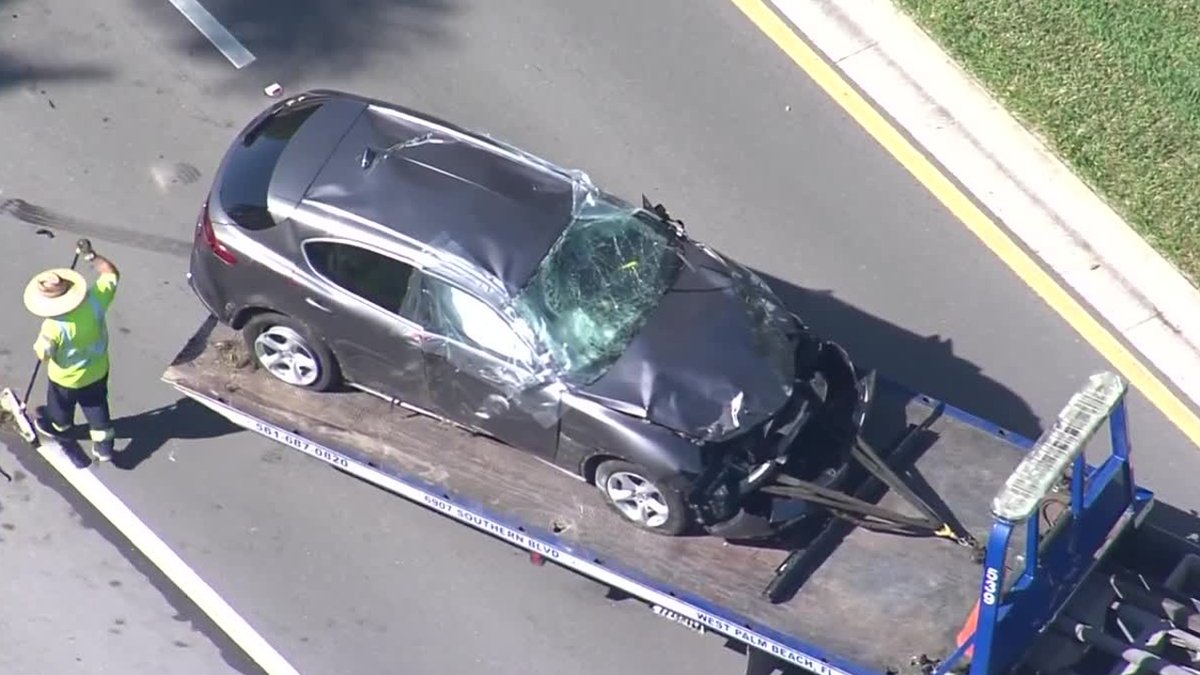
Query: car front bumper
[735, 506]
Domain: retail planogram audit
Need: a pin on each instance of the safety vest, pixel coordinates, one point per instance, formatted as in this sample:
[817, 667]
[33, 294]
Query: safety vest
[74, 362]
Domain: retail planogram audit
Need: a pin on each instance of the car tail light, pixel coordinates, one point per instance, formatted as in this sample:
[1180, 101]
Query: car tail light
[210, 238]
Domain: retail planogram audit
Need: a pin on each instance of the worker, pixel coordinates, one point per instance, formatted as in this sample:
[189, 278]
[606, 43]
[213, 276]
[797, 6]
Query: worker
[73, 342]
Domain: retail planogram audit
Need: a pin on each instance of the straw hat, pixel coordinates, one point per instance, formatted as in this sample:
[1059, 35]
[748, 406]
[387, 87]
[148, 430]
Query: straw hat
[55, 292]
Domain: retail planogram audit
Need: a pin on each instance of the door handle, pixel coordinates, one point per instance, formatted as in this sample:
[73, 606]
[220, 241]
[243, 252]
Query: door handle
[318, 305]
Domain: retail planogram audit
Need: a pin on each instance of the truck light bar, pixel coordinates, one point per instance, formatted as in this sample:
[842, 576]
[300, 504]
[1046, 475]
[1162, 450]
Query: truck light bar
[1058, 447]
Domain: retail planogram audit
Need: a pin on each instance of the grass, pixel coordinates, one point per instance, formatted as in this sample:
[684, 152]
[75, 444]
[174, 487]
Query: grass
[1112, 86]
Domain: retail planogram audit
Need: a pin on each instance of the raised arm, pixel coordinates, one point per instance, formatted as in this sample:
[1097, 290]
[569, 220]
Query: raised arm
[104, 265]
[101, 264]
[104, 289]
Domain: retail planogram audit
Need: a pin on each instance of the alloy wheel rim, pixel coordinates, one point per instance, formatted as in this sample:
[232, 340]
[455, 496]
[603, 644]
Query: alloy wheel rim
[637, 498]
[284, 353]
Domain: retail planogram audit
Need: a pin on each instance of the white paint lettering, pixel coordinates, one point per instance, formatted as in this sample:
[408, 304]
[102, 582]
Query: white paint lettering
[991, 578]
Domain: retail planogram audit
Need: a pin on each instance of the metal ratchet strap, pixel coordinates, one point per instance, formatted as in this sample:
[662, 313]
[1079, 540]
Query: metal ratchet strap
[864, 514]
[864, 453]
[872, 516]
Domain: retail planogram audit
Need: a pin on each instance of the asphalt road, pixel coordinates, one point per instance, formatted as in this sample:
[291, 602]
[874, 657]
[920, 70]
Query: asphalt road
[76, 599]
[114, 113]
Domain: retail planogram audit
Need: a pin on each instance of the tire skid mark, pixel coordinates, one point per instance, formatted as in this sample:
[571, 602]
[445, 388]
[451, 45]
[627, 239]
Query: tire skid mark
[42, 218]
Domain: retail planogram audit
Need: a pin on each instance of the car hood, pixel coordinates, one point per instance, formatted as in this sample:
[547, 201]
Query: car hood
[714, 357]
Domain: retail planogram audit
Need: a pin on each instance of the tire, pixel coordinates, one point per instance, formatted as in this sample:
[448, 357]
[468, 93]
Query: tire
[615, 474]
[316, 368]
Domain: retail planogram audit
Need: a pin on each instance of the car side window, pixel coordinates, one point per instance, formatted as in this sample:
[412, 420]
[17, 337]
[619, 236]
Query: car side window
[453, 313]
[371, 276]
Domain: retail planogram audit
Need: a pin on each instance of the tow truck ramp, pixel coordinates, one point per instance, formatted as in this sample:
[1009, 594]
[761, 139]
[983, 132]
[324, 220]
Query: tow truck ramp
[868, 602]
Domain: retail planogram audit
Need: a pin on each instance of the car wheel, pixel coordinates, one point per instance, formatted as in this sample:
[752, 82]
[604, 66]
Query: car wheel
[642, 500]
[288, 350]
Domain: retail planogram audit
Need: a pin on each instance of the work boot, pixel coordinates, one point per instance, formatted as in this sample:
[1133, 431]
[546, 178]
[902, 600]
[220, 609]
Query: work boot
[102, 450]
[49, 428]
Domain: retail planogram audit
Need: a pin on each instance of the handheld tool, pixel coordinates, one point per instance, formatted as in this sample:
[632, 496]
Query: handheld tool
[9, 401]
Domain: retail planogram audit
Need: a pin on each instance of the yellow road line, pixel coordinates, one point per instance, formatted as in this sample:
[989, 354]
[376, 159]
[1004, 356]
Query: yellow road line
[1112, 349]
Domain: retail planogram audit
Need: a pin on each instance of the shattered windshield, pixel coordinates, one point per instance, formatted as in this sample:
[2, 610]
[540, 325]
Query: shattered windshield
[597, 285]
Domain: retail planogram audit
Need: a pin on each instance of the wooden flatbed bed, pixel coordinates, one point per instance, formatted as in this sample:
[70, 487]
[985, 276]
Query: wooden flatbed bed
[874, 603]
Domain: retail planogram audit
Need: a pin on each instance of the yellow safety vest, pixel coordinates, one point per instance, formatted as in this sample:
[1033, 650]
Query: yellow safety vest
[77, 343]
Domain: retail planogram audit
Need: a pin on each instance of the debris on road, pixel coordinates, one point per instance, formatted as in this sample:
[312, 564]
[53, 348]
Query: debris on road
[273, 90]
[233, 353]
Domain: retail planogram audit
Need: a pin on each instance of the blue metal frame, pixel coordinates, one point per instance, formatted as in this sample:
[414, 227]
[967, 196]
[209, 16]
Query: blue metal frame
[1099, 500]
[1013, 438]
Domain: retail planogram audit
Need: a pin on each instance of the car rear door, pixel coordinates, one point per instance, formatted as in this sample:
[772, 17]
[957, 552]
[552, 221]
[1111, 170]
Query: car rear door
[363, 313]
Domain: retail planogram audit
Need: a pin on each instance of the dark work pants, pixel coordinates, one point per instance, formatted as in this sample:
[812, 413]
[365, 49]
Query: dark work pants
[93, 399]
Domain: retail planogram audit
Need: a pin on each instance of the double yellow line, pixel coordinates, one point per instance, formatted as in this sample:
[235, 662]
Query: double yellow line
[992, 236]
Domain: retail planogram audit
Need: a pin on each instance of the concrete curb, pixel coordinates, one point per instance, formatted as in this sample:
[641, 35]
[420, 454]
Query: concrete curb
[1010, 172]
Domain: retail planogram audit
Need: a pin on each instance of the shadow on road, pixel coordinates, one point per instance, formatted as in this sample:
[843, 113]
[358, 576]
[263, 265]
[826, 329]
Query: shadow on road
[29, 467]
[1175, 521]
[311, 37]
[15, 71]
[35, 69]
[926, 364]
[184, 419]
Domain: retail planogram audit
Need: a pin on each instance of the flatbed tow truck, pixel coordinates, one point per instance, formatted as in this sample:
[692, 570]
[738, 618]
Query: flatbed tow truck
[1072, 573]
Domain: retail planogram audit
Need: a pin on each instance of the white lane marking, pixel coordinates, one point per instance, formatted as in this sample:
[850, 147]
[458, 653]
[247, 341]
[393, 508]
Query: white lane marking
[166, 560]
[212, 29]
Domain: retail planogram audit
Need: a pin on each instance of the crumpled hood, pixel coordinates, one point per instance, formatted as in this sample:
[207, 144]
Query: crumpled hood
[715, 356]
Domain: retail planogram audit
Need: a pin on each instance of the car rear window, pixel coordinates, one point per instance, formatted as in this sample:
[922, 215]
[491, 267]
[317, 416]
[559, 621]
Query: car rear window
[252, 163]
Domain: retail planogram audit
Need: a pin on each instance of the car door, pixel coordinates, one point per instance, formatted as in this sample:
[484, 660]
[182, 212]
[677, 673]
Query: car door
[480, 373]
[364, 313]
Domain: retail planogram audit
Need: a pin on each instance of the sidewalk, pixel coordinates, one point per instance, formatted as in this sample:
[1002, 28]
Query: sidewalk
[72, 602]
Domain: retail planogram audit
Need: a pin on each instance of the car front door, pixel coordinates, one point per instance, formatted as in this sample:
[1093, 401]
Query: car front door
[480, 373]
[363, 312]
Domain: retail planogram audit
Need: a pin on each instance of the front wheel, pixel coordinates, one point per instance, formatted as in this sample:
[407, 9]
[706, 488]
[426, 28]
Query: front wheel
[288, 350]
[646, 502]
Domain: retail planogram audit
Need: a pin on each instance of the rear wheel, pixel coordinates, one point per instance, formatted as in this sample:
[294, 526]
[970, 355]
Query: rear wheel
[640, 498]
[289, 351]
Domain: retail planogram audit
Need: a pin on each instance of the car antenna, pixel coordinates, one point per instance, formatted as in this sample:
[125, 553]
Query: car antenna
[368, 157]
[371, 155]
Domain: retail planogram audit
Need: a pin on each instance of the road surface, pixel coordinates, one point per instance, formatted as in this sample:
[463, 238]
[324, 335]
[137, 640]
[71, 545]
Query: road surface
[115, 113]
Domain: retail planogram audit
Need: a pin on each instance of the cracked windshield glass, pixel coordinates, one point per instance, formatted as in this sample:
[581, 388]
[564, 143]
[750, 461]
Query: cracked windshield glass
[597, 285]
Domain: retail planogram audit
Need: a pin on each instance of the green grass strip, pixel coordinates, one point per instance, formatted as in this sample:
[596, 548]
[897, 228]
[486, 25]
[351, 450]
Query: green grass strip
[1112, 86]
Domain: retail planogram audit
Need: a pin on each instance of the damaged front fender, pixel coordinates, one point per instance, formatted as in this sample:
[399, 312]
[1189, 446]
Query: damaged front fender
[590, 428]
[808, 439]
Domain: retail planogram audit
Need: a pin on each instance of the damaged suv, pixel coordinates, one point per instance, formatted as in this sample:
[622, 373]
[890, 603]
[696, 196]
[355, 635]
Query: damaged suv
[354, 241]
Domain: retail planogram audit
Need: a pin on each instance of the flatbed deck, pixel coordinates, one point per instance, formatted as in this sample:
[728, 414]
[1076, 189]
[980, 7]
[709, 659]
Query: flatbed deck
[875, 601]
